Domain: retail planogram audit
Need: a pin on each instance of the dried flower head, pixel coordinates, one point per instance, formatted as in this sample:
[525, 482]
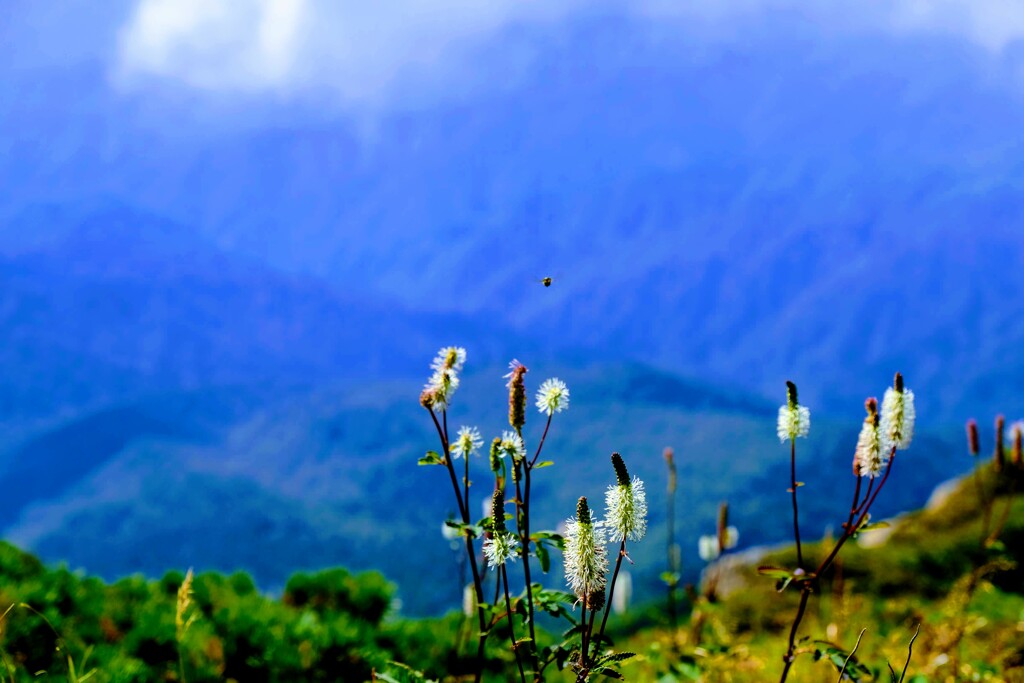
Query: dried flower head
[466, 443]
[496, 455]
[516, 394]
[794, 419]
[898, 415]
[586, 562]
[999, 457]
[869, 457]
[973, 443]
[625, 504]
[596, 600]
[502, 545]
[1017, 436]
[553, 396]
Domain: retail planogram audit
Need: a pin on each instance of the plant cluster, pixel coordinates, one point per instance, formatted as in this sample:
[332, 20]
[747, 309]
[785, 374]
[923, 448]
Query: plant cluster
[584, 645]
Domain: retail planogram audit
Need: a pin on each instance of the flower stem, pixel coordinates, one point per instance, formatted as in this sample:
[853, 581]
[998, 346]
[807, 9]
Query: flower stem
[611, 594]
[511, 628]
[848, 533]
[796, 516]
[442, 432]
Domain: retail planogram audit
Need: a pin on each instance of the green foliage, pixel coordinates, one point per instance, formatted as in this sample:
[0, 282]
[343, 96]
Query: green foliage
[328, 626]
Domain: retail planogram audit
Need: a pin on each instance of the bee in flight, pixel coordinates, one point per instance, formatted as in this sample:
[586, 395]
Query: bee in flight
[546, 281]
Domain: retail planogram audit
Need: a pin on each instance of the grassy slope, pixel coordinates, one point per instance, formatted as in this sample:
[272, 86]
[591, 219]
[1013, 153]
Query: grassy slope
[930, 570]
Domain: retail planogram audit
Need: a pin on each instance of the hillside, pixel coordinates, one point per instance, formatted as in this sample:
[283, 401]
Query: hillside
[333, 625]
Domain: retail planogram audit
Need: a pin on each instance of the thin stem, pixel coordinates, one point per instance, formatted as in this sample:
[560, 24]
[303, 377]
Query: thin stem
[796, 516]
[789, 656]
[511, 628]
[994, 536]
[842, 672]
[827, 562]
[611, 594]
[910, 652]
[442, 432]
[983, 503]
[465, 480]
[584, 640]
[479, 610]
[524, 532]
[451, 469]
[866, 507]
[856, 499]
[867, 496]
[590, 630]
[526, 552]
[672, 553]
[543, 436]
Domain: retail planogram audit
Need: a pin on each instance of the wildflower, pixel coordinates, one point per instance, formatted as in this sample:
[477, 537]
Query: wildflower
[1017, 434]
[512, 444]
[502, 545]
[444, 379]
[449, 358]
[794, 419]
[869, 457]
[466, 443]
[500, 548]
[897, 425]
[625, 504]
[708, 548]
[516, 395]
[553, 396]
[972, 437]
[585, 560]
[728, 536]
[999, 458]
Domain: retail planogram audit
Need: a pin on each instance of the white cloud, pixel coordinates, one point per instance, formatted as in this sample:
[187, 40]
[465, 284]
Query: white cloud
[246, 44]
[368, 51]
[361, 49]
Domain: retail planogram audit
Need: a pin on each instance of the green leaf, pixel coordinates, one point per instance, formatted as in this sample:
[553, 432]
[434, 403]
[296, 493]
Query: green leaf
[431, 458]
[874, 525]
[471, 530]
[544, 557]
[545, 463]
[774, 572]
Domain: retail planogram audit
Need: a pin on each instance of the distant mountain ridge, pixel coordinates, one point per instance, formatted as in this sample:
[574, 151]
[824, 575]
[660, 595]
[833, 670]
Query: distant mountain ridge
[312, 477]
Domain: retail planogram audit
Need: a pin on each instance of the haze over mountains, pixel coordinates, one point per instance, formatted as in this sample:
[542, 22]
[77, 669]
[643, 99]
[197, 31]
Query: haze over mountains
[198, 281]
